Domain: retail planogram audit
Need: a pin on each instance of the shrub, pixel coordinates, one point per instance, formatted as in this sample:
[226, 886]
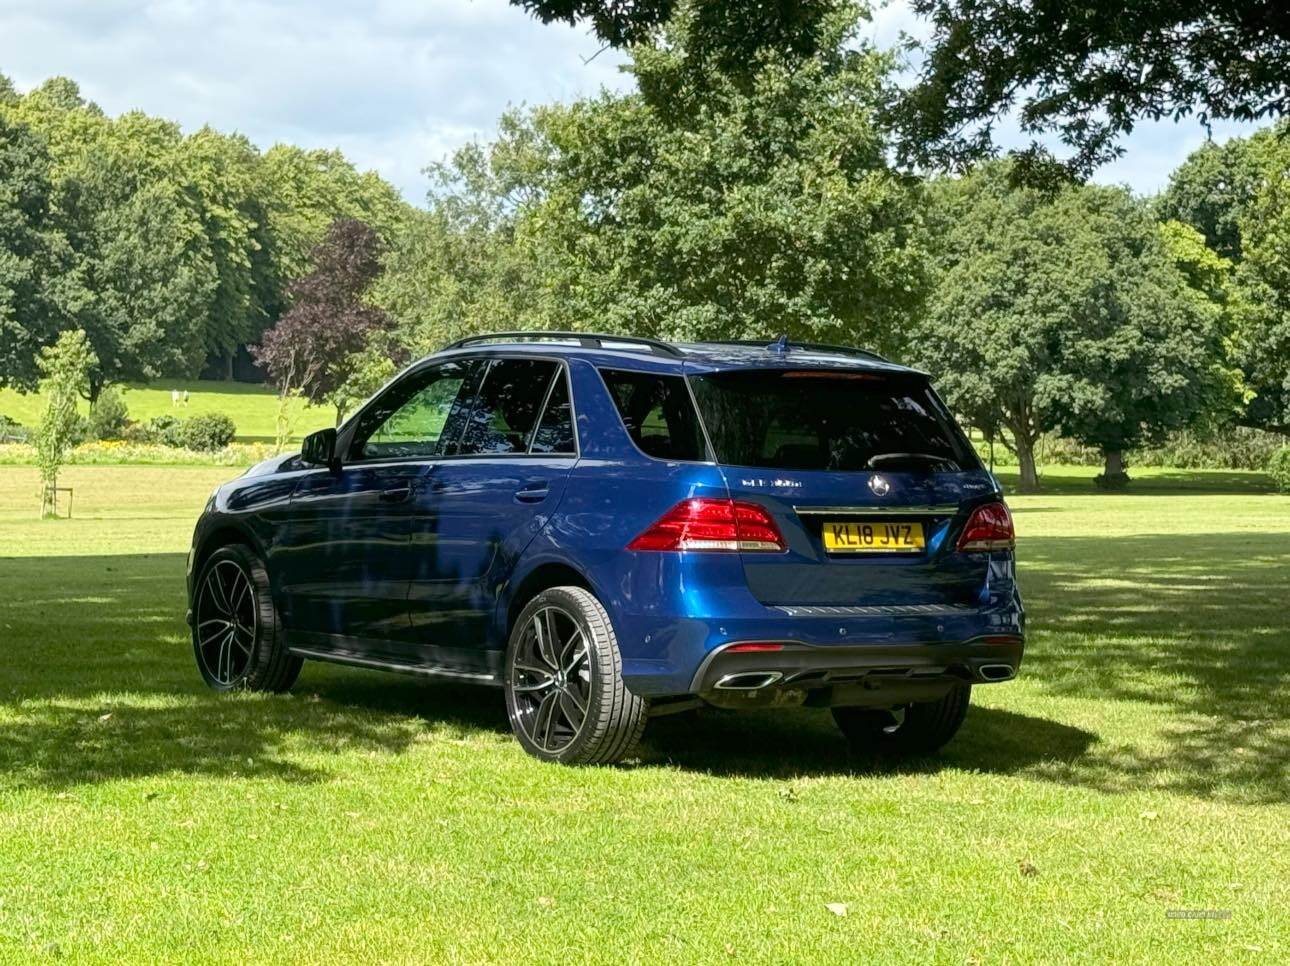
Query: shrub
[1223, 448]
[161, 429]
[1279, 468]
[205, 433]
[109, 416]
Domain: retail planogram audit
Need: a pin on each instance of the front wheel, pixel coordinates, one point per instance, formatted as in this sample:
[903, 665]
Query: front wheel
[237, 639]
[565, 695]
[916, 729]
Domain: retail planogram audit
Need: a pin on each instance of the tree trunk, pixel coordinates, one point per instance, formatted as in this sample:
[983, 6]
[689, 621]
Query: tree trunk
[1026, 458]
[1113, 475]
[340, 414]
[228, 365]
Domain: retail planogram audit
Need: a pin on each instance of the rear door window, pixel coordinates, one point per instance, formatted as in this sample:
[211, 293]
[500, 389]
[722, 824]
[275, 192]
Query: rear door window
[829, 420]
[507, 407]
[658, 414]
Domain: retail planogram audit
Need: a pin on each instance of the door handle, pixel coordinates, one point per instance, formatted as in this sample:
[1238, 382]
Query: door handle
[533, 492]
[397, 494]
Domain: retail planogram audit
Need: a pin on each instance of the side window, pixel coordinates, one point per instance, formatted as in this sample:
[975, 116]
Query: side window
[418, 416]
[658, 414]
[555, 431]
[506, 409]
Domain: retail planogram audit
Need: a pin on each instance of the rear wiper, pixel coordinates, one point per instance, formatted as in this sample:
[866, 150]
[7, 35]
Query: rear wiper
[880, 458]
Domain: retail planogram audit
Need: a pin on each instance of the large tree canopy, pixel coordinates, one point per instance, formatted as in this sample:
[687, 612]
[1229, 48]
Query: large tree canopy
[1087, 72]
[1067, 312]
[728, 33]
[730, 207]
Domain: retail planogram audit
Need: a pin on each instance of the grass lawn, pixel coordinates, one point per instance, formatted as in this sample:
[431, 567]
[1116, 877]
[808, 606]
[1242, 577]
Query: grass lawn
[1138, 766]
[253, 408]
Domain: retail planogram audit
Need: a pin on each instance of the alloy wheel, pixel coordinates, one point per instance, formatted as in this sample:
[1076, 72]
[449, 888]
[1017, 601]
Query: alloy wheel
[551, 679]
[227, 623]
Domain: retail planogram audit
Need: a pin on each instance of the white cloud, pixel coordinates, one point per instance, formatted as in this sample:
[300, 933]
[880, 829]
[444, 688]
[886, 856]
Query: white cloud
[395, 84]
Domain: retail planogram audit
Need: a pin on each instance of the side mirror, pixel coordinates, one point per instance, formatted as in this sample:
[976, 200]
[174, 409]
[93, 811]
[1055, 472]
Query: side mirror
[319, 449]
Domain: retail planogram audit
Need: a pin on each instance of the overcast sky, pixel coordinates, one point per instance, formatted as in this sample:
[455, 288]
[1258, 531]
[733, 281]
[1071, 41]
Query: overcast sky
[393, 83]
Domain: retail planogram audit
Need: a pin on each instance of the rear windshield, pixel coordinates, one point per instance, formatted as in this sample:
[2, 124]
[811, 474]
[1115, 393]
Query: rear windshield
[829, 420]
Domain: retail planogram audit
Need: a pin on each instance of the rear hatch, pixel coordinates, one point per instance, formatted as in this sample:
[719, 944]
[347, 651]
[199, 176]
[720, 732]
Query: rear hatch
[867, 477]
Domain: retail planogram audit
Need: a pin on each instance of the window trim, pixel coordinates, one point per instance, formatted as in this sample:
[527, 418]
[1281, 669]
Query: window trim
[561, 372]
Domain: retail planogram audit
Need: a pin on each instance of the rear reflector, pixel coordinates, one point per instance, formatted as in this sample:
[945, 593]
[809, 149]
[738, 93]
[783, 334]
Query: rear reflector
[703, 524]
[988, 528]
[753, 646]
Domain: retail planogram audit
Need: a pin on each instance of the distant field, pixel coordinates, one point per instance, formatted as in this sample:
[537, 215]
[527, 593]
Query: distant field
[253, 408]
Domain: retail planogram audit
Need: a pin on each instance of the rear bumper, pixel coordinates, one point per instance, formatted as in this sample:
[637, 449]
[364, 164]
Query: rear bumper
[876, 674]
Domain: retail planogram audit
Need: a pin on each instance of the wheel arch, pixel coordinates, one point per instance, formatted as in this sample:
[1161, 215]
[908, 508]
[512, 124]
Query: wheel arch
[541, 576]
[222, 536]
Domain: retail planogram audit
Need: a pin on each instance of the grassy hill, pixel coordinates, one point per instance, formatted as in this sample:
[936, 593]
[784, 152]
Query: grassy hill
[254, 408]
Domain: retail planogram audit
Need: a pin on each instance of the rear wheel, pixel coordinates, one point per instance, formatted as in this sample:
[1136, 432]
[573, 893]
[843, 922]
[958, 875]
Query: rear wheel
[237, 638]
[565, 695]
[916, 729]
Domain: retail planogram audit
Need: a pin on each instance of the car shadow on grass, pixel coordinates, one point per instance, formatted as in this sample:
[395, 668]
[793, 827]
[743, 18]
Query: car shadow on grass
[1191, 628]
[805, 743]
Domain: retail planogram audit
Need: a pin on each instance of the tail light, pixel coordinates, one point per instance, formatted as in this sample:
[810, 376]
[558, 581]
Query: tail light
[704, 524]
[988, 528]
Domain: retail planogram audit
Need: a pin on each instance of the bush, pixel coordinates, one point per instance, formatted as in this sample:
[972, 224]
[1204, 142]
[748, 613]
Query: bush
[1224, 448]
[161, 430]
[1279, 468]
[109, 417]
[205, 433]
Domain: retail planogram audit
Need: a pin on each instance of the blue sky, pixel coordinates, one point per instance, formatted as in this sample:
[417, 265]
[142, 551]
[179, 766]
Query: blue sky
[395, 84]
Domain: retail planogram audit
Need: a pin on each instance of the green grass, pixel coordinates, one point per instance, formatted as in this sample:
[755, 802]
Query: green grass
[1139, 765]
[253, 408]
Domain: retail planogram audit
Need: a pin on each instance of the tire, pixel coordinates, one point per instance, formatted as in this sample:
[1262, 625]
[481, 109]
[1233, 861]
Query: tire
[247, 653]
[922, 728]
[566, 700]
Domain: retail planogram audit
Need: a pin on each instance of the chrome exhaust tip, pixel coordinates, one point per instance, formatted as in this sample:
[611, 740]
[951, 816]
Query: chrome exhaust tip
[997, 672]
[748, 681]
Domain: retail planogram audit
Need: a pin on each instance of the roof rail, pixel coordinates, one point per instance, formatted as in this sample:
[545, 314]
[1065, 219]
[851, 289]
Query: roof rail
[590, 340]
[783, 344]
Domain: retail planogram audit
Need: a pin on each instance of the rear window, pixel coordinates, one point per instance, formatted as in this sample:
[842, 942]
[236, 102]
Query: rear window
[658, 414]
[828, 420]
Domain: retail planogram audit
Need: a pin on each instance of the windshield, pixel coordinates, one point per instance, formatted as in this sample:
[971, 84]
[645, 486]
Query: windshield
[829, 420]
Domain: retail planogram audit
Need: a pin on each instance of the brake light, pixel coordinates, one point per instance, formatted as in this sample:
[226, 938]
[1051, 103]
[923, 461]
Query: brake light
[988, 528]
[705, 524]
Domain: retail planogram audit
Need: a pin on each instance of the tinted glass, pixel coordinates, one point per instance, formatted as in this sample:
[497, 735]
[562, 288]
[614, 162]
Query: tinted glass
[555, 431]
[506, 409]
[417, 416]
[821, 420]
[658, 414]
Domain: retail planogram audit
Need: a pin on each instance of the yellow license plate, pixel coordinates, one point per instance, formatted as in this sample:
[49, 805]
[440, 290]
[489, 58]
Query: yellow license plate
[884, 537]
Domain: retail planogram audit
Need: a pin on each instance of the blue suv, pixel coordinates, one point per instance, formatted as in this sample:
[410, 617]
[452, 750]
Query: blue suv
[613, 528]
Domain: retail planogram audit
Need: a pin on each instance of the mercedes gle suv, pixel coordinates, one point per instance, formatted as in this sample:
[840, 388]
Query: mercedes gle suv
[611, 528]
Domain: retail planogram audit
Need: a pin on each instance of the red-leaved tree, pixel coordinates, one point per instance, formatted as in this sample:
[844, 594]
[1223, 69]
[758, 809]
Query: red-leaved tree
[314, 349]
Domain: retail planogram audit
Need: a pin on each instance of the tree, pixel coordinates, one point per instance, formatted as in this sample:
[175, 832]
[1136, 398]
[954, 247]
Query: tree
[1064, 311]
[1236, 195]
[713, 206]
[65, 373]
[1087, 72]
[1262, 282]
[315, 348]
[29, 313]
[730, 33]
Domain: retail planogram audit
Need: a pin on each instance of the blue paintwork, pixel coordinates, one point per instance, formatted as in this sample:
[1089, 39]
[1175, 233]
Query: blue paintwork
[434, 580]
